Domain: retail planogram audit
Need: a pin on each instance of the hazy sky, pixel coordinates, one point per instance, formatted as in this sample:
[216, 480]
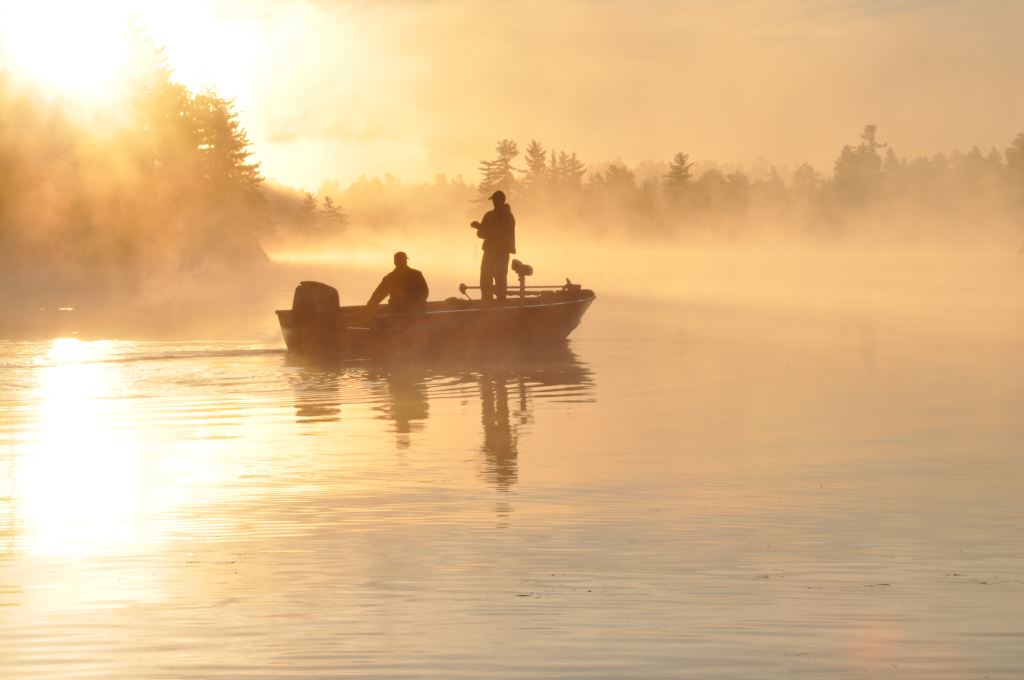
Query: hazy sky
[337, 88]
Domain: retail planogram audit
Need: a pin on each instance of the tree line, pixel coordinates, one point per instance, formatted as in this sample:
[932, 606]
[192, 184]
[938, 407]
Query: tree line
[869, 182]
[870, 190]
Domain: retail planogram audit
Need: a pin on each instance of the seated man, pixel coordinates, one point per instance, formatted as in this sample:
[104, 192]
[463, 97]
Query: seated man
[405, 288]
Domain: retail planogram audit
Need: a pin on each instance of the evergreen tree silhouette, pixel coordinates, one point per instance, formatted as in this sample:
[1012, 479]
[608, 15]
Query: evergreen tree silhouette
[224, 145]
[537, 173]
[676, 181]
[499, 174]
[858, 168]
[567, 171]
[333, 216]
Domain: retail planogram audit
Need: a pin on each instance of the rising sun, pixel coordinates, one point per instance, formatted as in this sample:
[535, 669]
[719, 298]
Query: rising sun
[66, 48]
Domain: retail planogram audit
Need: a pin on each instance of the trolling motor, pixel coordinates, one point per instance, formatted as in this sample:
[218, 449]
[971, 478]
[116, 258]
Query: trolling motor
[522, 271]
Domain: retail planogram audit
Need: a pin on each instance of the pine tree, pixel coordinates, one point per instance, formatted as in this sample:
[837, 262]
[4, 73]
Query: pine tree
[858, 168]
[1015, 166]
[334, 217]
[567, 171]
[995, 159]
[892, 162]
[619, 178]
[677, 180]
[1015, 157]
[871, 143]
[307, 209]
[498, 174]
[537, 174]
[806, 180]
[223, 145]
[166, 132]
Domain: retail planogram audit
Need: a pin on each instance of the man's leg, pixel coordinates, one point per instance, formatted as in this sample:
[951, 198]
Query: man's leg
[501, 275]
[486, 279]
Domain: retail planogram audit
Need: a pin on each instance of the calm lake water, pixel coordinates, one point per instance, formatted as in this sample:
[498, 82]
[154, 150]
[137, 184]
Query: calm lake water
[685, 490]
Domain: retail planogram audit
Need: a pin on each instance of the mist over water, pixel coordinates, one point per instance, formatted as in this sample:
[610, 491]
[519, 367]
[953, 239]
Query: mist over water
[765, 466]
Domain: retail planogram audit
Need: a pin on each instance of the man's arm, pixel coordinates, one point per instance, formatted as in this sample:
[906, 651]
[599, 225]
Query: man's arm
[511, 232]
[379, 293]
[422, 291]
[485, 228]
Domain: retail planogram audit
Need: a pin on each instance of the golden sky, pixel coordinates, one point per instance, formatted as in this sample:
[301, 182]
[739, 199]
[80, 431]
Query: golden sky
[339, 88]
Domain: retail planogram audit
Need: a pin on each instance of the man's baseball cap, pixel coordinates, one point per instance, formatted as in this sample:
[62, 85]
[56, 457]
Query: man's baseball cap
[497, 194]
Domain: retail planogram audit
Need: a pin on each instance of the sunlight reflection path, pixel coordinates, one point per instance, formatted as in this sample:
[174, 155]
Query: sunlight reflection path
[76, 486]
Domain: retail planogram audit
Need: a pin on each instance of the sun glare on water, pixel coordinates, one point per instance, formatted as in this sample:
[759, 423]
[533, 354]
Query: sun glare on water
[77, 486]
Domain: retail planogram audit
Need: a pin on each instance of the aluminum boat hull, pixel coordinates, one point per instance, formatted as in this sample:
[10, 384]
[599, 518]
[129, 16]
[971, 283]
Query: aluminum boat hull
[453, 325]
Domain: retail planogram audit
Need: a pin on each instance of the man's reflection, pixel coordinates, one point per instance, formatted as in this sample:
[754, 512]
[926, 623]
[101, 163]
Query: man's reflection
[501, 439]
[406, 402]
[546, 373]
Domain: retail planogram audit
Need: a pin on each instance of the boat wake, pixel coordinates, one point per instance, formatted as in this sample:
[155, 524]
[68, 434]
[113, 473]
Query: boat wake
[112, 352]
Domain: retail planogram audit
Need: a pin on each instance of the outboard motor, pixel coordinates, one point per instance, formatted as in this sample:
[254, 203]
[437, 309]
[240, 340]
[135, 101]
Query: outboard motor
[315, 300]
[315, 316]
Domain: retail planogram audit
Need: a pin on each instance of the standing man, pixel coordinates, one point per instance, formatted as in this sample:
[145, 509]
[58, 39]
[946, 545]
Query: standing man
[405, 288]
[498, 230]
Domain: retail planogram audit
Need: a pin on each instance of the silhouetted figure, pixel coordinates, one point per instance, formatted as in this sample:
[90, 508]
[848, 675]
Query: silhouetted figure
[498, 230]
[405, 288]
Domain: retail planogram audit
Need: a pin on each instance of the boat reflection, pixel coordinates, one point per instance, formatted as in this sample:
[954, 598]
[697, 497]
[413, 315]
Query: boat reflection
[401, 393]
[317, 390]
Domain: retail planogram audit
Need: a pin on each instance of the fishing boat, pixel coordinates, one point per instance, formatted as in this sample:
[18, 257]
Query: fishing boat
[532, 315]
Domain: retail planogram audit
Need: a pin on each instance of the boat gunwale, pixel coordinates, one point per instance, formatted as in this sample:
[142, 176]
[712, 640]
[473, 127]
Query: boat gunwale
[587, 296]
